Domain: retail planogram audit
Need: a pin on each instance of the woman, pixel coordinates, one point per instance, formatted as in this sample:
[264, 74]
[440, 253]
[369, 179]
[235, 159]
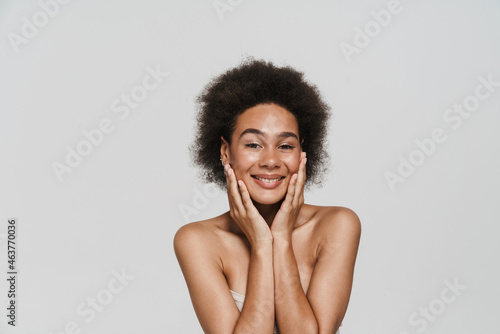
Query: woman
[271, 262]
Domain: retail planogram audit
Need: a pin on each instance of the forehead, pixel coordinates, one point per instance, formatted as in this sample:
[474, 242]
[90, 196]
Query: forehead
[269, 118]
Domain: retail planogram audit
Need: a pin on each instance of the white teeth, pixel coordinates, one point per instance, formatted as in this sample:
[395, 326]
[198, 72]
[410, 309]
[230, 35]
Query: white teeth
[268, 180]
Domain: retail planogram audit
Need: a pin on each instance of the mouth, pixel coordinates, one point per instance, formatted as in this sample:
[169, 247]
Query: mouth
[268, 182]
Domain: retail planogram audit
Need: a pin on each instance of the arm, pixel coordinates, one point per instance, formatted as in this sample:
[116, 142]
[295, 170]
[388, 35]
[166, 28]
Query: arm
[208, 289]
[293, 312]
[331, 282]
[202, 270]
[328, 295]
[257, 314]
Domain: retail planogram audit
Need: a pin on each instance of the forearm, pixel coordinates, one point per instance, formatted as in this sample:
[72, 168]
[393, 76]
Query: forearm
[293, 311]
[257, 314]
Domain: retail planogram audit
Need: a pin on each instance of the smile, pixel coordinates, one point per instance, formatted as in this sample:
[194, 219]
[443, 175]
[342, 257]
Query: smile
[268, 183]
[268, 180]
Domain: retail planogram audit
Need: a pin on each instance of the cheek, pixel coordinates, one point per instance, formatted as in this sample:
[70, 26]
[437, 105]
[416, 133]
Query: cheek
[293, 165]
[240, 165]
[243, 161]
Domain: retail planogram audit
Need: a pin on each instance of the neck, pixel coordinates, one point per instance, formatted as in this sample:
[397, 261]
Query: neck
[268, 211]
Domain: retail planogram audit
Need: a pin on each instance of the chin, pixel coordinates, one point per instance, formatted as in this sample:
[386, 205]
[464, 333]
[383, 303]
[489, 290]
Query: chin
[267, 202]
[267, 199]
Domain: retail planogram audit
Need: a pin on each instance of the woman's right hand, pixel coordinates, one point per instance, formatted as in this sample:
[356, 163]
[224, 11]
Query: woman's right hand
[243, 212]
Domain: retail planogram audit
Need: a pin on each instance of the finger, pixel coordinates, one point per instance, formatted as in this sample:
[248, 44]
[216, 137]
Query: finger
[233, 190]
[302, 166]
[245, 196]
[302, 172]
[290, 194]
[301, 180]
[228, 184]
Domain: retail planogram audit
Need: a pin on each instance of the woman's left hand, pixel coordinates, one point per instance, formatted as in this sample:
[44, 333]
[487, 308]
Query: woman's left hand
[286, 216]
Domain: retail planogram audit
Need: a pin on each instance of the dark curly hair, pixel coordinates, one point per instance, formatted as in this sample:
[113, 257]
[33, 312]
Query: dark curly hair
[256, 82]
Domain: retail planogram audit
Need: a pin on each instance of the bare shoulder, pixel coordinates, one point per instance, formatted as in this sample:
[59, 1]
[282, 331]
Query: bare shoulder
[339, 216]
[196, 236]
[198, 254]
[337, 223]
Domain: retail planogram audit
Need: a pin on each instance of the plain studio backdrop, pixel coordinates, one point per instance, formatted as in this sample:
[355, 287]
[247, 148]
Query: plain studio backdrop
[98, 109]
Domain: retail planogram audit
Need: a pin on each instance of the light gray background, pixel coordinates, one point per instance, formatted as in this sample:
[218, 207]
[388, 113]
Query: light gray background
[119, 209]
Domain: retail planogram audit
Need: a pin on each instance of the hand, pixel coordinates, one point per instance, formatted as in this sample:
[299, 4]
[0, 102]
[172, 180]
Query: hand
[243, 212]
[286, 216]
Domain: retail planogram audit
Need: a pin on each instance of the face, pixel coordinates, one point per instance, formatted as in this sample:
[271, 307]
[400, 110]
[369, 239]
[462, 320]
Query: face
[265, 151]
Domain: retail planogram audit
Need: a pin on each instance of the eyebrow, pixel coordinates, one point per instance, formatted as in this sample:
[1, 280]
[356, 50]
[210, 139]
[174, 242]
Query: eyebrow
[284, 134]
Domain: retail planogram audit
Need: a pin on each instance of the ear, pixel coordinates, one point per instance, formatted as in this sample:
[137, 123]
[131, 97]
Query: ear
[225, 153]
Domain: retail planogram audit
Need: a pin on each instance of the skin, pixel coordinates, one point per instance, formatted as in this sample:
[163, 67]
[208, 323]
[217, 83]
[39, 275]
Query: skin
[294, 262]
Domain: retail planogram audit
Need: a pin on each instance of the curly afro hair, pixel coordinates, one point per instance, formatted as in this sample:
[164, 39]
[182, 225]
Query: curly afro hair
[256, 82]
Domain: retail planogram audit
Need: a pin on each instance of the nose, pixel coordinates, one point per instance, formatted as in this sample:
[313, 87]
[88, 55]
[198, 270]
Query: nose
[269, 158]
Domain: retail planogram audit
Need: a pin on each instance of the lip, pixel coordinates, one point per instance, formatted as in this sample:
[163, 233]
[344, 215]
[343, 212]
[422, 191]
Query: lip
[268, 185]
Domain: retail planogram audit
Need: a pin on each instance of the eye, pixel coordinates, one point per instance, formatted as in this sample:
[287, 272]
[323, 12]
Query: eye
[286, 147]
[252, 145]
